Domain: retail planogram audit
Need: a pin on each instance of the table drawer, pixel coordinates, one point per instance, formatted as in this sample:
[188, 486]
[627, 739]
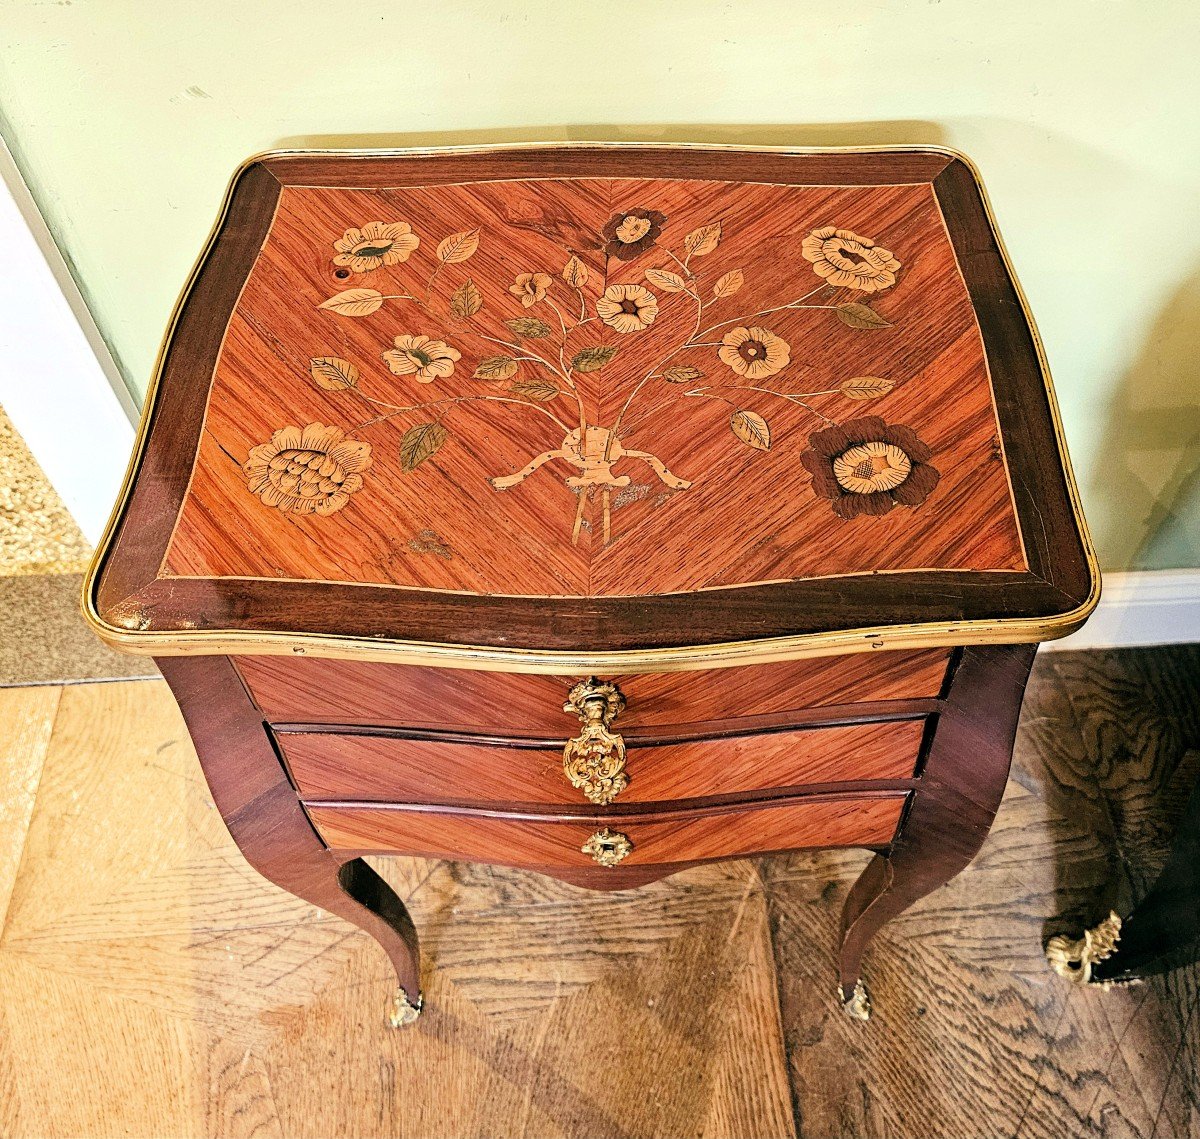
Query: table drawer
[391, 769]
[679, 836]
[312, 690]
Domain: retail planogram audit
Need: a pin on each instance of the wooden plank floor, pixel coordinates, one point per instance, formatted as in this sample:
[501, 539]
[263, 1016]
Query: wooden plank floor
[153, 985]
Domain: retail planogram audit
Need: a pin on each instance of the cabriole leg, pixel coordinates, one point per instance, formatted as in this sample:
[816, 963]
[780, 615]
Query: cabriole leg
[952, 810]
[264, 816]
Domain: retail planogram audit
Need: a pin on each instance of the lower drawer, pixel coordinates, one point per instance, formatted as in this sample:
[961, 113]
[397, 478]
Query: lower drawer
[328, 765]
[678, 836]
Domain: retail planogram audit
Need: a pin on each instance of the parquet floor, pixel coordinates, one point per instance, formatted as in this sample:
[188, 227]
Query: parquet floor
[153, 985]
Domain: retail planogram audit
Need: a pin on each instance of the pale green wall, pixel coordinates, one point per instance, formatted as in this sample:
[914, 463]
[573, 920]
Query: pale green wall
[128, 117]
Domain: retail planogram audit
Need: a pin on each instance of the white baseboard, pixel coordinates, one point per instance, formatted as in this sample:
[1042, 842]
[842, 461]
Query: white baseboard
[1149, 607]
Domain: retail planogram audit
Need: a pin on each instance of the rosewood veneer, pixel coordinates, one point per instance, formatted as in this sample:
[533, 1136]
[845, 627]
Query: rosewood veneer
[600, 511]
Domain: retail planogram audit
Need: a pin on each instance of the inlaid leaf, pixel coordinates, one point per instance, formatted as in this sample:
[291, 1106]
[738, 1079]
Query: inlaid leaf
[496, 368]
[528, 327]
[866, 387]
[703, 240]
[466, 300]
[751, 429]
[421, 442]
[354, 302]
[594, 358]
[534, 389]
[861, 316]
[333, 373]
[667, 281]
[575, 273]
[458, 246]
[729, 284]
[682, 374]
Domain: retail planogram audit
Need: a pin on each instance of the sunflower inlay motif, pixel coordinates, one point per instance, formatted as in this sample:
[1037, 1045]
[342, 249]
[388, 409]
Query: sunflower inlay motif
[307, 470]
[564, 321]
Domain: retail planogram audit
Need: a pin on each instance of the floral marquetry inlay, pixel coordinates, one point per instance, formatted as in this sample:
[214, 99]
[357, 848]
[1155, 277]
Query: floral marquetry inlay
[850, 265]
[771, 373]
[375, 245]
[867, 466]
[310, 470]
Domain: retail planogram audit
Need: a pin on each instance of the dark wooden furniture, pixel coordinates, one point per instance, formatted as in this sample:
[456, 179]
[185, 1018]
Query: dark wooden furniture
[1161, 933]
[599, 510]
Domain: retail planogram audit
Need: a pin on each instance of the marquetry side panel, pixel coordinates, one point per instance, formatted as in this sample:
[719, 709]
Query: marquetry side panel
[388, 769]
[309, 690]
[556, 843]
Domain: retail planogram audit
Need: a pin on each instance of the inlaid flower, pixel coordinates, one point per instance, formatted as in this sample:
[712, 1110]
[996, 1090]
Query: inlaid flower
[530, 287]
[867, 466]
[377, 243]
[419, 356]
[849, 261]
[627, 308]
[629, 234]
[754, 352]
[307, 470]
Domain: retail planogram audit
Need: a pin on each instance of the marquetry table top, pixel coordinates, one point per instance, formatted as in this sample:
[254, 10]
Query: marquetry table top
[598, 399]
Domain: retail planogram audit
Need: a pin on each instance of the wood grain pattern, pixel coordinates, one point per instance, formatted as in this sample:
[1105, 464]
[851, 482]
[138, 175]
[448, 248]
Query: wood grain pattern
[962, 783]
[963, 989]
[518, 542]
[216, 1005]
[363, 692]
[923, 587]
[26, 720]
[555, 843]
[259, 806]
[331, 766]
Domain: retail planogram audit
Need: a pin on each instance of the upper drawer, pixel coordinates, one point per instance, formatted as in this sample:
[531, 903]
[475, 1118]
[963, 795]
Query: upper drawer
[326, 691]
[327, 765]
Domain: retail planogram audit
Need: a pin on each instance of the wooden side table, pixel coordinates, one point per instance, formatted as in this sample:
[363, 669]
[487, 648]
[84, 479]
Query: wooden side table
[599, 510]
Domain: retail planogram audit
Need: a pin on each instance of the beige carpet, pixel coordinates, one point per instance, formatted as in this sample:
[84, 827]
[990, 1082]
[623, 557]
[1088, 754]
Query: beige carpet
[42, 559]
[37, 535]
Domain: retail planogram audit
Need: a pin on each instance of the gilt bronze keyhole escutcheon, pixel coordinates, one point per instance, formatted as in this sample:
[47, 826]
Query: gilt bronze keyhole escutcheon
[607, 847]
[594, 761]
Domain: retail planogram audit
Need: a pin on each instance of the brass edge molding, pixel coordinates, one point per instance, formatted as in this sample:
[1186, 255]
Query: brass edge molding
[1064, 457]
[921, 635]
[553, 661]
[104, 547]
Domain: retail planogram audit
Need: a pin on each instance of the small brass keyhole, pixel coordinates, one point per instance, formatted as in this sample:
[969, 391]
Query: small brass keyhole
[607, 847]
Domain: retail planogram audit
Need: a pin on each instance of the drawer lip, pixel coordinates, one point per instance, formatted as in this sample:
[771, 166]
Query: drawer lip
[659, 810]
[772, 723]
[614, 815]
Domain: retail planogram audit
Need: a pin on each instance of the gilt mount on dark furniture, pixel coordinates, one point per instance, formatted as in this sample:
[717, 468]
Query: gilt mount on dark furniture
[599, 510]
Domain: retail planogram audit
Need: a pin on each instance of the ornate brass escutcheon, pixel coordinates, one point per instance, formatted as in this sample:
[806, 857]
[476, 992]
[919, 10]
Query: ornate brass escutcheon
[607, 847]
[594, 761]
